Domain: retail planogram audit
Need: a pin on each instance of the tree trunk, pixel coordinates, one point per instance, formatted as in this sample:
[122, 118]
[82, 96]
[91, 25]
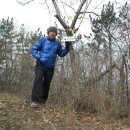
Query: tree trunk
[110, 89]
[74, 59]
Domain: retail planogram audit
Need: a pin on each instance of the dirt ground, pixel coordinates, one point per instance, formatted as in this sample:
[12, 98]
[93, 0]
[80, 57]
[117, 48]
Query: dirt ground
[16, 114]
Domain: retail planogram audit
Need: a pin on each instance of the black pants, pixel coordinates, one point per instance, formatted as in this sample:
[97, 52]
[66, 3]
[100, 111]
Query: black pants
[41, 85]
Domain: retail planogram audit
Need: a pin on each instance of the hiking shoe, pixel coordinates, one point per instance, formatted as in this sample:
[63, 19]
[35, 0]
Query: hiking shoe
[34, 104]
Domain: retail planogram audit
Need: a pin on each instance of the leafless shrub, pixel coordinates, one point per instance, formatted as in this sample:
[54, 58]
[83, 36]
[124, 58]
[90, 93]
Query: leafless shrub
[97, 102]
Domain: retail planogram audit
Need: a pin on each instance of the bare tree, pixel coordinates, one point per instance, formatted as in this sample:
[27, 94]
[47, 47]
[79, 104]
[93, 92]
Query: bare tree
[79, 13]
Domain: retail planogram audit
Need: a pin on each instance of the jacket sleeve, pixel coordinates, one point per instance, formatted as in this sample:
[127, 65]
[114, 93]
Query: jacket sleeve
[62, 51]
[36, 48]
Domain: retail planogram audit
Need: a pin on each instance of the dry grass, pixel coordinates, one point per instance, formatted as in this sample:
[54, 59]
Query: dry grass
[97, 102]
[16, 114]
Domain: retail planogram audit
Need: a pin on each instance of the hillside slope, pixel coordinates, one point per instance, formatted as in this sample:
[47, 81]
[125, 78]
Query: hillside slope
[16, 114]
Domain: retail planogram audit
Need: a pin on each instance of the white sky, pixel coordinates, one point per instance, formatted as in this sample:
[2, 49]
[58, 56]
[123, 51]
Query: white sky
[33, 15]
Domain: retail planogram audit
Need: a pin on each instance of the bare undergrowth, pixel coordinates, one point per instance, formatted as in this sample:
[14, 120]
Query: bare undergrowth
[16, 114]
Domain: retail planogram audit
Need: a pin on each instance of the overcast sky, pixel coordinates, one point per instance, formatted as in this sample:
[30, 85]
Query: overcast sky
[33, 15]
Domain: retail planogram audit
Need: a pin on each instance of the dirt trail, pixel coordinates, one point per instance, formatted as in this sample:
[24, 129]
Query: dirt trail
[16, 114]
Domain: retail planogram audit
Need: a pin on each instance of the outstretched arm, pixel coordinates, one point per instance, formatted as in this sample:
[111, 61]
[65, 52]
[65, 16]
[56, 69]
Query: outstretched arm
[63, 51]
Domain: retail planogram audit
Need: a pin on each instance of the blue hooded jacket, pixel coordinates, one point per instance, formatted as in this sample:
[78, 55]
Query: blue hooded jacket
[46, 50]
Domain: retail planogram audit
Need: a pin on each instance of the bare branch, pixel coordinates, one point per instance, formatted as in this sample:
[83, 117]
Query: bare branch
[62, 22]
[58, 15]
[77, 14]
[100, 76]
[90, 13]
[56, 7]
[24, 3]
[47, 6]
